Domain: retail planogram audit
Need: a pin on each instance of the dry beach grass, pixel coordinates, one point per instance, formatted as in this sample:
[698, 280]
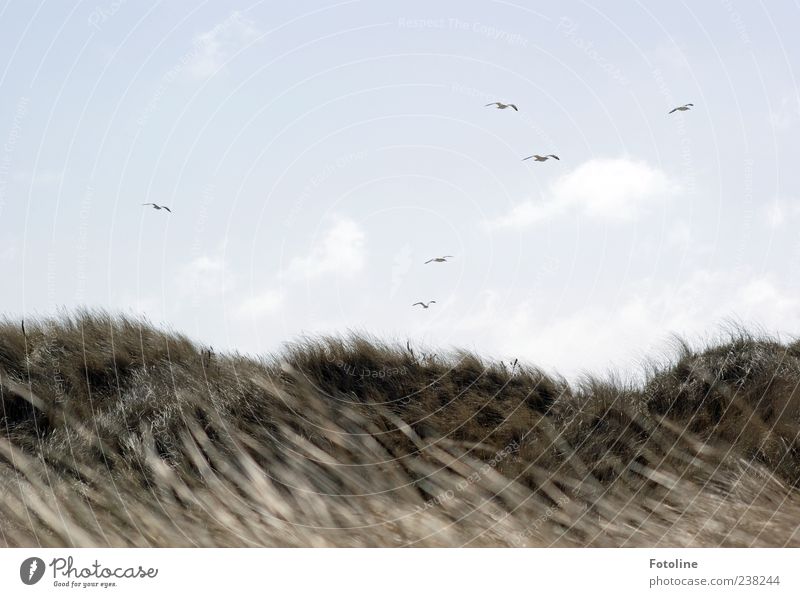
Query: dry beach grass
[115, 433]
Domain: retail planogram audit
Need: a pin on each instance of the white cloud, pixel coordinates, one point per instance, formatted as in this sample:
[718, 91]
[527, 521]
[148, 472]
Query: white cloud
[138, 304]
[762, 294]
[259, 305]
[401, 265]
[205, 276]
[213, 48]
[526, 214]
[611, 188]
[8, 253]
[787, 114]
[341, 251]
[680, 235]
[780, 211]
[775, 214]
[603, 334]
[606, 188]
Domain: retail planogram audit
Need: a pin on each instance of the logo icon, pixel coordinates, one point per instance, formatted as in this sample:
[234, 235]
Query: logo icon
[31, 571]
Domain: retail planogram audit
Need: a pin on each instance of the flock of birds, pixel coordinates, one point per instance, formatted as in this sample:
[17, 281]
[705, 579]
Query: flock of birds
[535, 157]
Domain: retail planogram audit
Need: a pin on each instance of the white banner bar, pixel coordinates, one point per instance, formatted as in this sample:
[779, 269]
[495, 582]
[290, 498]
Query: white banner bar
[401, 573]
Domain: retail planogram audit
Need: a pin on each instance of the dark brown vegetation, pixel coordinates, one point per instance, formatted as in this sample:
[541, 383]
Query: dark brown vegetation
[114, 433]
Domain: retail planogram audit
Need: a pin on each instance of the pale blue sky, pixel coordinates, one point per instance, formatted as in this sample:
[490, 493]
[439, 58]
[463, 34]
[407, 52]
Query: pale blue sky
[315, 154]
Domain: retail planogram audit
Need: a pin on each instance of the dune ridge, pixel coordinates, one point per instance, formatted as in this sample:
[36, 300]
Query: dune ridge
[116, 433]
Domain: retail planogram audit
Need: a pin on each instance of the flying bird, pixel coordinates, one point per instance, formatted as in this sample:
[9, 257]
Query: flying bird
[439, 259]
[424, 305]
[542, 158]
[682, 108]
[156, 206]
[502, 106]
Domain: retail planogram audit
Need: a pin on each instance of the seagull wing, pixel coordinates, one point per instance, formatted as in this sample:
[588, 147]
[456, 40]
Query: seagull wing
[690, 105]
[492, 104]
[555, 157]
[167, 208]
[515, 108]
[415, 304]
[431, 302]
[673, 110]
[428, 261]
[529, 157]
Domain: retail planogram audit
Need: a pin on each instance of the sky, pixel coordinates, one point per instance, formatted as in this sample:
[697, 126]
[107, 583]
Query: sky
[316, 154]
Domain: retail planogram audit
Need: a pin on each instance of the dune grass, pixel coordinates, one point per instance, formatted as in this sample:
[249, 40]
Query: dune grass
[116, 433]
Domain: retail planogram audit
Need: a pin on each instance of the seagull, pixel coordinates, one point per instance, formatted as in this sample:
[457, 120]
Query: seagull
[502, 106]
[155, 206]
[424, 305]
[542, 158]
[682, 108]
[439, 259]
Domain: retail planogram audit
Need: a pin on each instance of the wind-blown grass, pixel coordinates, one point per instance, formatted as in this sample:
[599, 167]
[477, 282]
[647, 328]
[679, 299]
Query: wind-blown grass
[115, 433]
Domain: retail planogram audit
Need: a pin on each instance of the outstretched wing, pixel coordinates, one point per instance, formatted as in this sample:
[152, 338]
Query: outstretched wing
[529, 157]
[515, 107]
[492, 104]
[167, 208]
[428, 261]
[415, 304]
[673, 110]
[690, 105]
[555, 157]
